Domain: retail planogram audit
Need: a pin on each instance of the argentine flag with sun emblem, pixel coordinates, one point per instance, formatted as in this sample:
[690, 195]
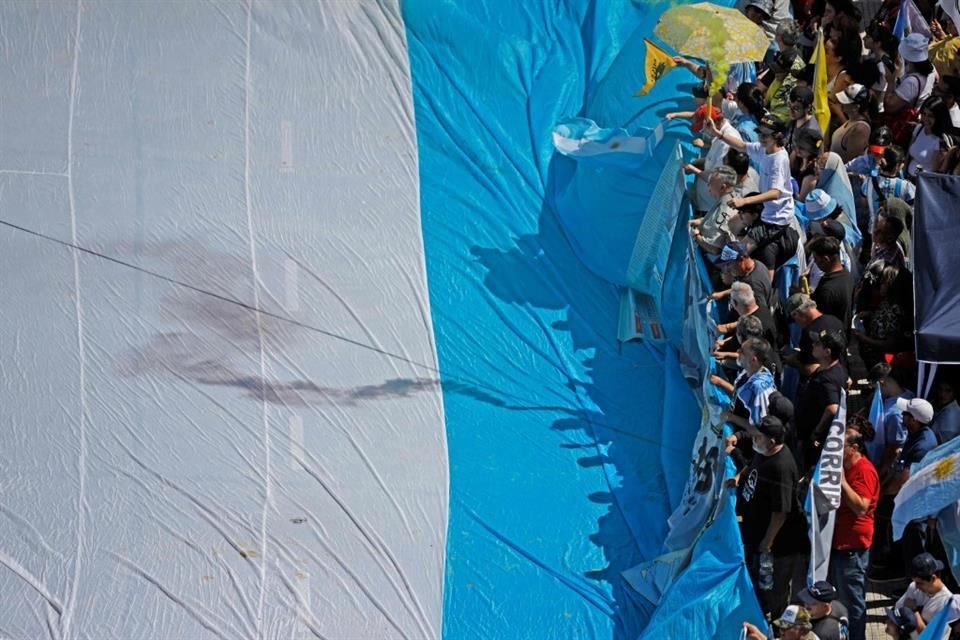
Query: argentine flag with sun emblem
[372, 319]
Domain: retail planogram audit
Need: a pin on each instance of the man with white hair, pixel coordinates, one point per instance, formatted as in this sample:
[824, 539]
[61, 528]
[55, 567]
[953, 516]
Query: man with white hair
[704, 199]
[712, 231]
[744, 302]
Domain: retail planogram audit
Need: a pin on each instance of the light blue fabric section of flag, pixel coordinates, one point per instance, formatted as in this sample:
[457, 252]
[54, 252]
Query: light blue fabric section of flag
[568, 451]
[837, 183]
[878, 445]
[937, 628]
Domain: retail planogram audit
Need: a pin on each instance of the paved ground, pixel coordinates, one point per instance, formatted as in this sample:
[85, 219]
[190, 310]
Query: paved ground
[880, 597]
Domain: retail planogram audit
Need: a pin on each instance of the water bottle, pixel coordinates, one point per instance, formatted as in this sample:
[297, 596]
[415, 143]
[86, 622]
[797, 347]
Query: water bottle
[766, 572]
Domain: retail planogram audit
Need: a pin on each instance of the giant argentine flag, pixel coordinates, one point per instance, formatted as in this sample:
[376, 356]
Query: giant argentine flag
[825, 494]
[295, 344]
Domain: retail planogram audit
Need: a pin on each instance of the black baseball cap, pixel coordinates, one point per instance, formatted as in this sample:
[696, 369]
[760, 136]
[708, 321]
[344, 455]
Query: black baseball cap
[925, 566]
[903, 619]
[830, 228]
[821, 591]
[772, 427]
[769, 124]
[809, 140]
[833, 340]
[780, 407]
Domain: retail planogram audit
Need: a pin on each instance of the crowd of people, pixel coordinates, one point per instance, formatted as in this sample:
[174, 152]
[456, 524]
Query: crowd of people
[805, 229]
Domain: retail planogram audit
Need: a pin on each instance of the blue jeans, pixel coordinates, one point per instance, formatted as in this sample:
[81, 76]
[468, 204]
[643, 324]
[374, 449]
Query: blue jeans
[848, 573]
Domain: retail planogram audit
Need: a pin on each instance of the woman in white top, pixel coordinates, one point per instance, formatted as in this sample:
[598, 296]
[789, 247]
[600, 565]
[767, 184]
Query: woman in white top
[924, 152]
[776, 192]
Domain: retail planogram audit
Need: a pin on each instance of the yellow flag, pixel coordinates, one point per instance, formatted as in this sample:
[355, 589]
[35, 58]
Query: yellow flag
[821, 101]
[657, 63]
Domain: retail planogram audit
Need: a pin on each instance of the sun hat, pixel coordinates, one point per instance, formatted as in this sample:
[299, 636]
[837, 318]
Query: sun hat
[915, 48]
[819, 204]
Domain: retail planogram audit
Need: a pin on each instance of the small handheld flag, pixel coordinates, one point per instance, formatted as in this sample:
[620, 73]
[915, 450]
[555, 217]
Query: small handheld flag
[657, 64]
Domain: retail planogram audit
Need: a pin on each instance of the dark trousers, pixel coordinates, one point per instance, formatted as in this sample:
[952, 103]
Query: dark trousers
[884, 552]
[774, 601]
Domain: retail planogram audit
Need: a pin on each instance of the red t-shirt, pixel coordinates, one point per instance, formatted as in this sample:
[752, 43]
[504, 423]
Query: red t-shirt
[853, 532]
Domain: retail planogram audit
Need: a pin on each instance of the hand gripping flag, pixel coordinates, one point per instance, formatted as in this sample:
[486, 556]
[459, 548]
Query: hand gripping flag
[656, 64]
[824, 495]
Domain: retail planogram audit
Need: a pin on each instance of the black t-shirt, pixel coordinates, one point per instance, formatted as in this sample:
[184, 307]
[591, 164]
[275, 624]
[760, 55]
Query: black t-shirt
[834, 626]
[769, 329]
[834, 295]
[821, 389]
[823, 323]
[768, 486]
[759, 281]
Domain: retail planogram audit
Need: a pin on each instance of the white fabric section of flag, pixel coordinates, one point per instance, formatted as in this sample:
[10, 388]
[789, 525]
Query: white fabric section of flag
[952, 9]
[233, 427]
[825, 495]
[584, 138]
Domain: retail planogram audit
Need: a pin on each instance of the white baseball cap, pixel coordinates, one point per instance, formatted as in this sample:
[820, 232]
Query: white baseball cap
[852, 93]
[919, 408]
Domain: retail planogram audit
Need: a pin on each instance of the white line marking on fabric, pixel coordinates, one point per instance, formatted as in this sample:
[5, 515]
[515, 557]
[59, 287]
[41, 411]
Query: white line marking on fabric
[286, 146]
[255, 277]
[81, 346]
[297, 452]
[291, 284]
[20, 172]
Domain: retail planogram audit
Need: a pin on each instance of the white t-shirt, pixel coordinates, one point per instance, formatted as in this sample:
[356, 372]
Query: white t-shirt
[930, 604]
[955, 114]
[750, 184]
[915, 88]
[713, 159]
[923, 151]
[774, 174]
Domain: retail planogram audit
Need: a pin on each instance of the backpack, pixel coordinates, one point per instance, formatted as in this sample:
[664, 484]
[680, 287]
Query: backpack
[902, 124]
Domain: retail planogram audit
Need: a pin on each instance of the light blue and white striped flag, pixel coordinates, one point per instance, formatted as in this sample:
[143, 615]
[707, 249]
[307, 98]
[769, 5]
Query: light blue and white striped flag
[824, 496]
